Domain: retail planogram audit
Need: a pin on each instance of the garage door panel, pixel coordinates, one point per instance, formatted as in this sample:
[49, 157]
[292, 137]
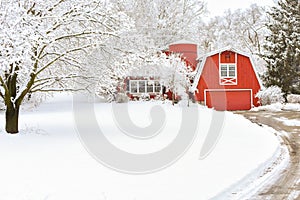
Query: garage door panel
[229, 100]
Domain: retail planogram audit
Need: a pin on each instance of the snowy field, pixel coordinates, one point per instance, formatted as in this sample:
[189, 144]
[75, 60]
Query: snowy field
[47, 160]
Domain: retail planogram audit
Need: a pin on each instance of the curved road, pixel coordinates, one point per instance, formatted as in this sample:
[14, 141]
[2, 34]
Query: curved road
[287, 186]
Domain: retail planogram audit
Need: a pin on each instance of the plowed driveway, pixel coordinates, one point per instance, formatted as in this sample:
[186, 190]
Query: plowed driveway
[287, 186]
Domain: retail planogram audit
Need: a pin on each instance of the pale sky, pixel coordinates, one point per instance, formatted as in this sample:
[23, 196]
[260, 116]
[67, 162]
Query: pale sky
[217, 7]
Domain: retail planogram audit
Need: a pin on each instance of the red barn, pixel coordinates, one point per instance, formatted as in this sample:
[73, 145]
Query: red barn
[226, 80]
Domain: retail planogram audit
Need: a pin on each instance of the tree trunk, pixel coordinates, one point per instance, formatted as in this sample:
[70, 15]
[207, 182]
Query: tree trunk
[173, 98]
[12, 119]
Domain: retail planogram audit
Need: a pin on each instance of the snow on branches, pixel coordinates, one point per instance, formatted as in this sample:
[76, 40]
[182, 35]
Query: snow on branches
[43, 45]
[282, 47]
[175, 75]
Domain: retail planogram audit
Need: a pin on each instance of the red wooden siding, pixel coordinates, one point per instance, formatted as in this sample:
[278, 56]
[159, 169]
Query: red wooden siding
[231, 99]
[227, 57]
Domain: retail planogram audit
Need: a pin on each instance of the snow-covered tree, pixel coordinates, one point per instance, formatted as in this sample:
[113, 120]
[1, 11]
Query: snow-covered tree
[243, 29]
[158, 23]
[42, 44]
[175, 75]
[282, 47]
[109, 69]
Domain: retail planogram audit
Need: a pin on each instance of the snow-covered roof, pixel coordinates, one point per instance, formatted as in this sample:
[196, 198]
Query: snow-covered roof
[227, 48]
[203, 60]
[183, 42]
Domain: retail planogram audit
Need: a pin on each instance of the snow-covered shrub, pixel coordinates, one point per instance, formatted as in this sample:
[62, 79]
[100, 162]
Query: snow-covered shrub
[145, 97]
[121, 98]
[270, 95]
[159, 98]
[293, 98]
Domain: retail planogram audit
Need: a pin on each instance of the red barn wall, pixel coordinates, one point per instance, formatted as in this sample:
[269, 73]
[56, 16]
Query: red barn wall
[227, 57]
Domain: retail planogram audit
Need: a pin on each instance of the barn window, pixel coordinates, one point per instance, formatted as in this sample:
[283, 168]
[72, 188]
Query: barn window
[224, 70]
[228, 74]
[228, 71]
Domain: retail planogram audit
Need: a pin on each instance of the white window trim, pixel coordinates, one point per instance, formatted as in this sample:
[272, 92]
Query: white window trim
[227, 66]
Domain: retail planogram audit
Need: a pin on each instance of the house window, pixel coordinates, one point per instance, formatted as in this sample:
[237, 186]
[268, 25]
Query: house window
[149, 86]
[133, 86]
[157, 86]
[144, 86]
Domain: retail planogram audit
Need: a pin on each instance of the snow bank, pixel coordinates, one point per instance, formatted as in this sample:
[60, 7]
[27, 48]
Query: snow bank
[291, 107]
[47, 161]
[278, 107]
[289, 122]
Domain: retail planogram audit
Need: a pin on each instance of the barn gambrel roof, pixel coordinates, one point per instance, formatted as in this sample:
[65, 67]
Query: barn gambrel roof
[202, 60]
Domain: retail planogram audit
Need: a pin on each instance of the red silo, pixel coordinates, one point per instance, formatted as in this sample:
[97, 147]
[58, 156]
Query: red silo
[187, 49]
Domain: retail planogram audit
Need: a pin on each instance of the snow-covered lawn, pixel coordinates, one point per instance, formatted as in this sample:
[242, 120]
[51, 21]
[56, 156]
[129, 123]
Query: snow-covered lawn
[47, 160]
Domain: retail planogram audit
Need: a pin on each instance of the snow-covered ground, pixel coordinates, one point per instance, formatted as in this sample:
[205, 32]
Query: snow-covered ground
[289, 122]
[279, 107]
[276, 107]
[47, 160]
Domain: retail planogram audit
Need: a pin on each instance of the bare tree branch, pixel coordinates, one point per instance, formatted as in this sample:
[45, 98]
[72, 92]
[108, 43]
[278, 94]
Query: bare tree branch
[43, 83]
[58, 90]
[84, 34]
[55, 5]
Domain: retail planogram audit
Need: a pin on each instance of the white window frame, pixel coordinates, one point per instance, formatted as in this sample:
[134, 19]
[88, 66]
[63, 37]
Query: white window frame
[146, 86]
[137, 86]
[154, 87]
[228, 65]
